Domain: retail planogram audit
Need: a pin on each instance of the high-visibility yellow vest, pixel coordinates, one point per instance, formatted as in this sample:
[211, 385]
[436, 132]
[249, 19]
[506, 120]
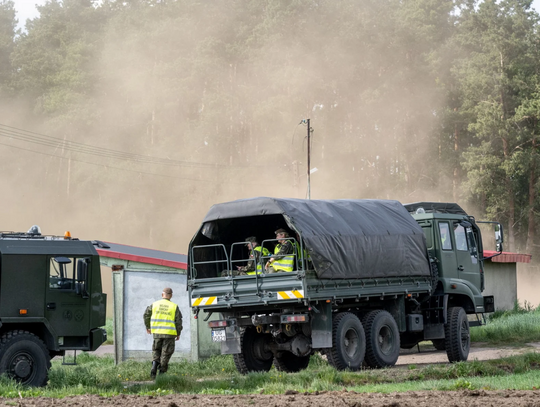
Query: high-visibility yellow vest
[286, 263]
[263, 252]
[162, 320]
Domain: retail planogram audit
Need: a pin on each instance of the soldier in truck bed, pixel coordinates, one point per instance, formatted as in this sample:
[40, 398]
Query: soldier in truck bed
[255, 252]
[283, 258]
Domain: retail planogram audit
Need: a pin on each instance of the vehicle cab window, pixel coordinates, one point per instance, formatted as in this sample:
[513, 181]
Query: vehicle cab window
[461, 238]
[67, 273]
[444, 231]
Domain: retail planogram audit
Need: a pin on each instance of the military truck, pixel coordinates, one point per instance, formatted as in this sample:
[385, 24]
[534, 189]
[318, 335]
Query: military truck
[370, 277]
[51, 301]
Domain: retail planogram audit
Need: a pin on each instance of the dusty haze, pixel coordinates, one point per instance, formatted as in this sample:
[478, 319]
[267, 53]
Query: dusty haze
[217, 92]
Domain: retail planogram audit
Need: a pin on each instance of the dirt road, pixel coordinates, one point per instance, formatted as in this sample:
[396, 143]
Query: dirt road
[508, 398]
[479, 351]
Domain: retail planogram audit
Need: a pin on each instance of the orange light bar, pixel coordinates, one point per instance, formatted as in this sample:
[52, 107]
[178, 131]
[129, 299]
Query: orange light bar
[23, 311]
[67, 235]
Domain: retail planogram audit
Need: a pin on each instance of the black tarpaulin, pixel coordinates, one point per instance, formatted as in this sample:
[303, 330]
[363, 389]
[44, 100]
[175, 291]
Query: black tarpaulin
[346, 239]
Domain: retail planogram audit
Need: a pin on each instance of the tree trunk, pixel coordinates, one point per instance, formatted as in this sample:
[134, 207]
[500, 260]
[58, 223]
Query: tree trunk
[455, 181]
[511, 202]
[532, 197]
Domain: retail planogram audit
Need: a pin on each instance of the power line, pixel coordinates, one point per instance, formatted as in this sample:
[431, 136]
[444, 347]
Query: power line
[56, 143]
[202, 181]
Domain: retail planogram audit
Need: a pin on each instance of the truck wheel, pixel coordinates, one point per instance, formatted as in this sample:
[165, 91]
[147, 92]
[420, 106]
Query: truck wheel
[349, 342]
[382, 339]
[457, 335]
[289, 362]
[24, 358]
[439, 344]
[253, 357]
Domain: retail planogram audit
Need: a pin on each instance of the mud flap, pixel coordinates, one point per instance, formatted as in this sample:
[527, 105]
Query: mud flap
[321, 326]
[231, 345]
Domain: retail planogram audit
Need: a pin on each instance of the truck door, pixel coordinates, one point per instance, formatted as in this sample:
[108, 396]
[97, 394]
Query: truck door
[66, 302]
[448, 264]
[466, 254]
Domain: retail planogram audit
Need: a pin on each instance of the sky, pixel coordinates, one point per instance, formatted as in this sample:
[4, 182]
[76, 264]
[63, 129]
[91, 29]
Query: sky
[27, 9]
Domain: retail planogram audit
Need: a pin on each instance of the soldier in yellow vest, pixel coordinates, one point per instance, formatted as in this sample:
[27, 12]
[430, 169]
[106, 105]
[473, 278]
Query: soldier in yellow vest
[163, 320]
[283, 258]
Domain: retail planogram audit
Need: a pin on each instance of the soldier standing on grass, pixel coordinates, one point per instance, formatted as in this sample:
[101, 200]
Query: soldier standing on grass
[164, 320]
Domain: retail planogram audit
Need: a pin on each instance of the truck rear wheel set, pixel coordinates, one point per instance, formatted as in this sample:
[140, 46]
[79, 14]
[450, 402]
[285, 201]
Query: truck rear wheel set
[382, 339]
[349, 340]
[24, 357]
[254, 357]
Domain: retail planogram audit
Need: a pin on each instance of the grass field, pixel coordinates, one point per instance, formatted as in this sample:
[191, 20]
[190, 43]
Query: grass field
[218, 375]
[516, 327]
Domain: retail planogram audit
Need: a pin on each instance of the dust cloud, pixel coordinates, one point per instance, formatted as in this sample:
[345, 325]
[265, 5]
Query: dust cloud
[216, 94]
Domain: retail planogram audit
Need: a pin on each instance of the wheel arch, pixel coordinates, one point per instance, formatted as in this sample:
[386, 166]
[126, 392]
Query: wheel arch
[39, 329]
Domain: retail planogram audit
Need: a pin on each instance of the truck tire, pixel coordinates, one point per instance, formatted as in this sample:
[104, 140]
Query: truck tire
[289, 362]
[382, 339]
[24, 358]
[253, 356]
[457, 335]
[439, 344]
[349, 342]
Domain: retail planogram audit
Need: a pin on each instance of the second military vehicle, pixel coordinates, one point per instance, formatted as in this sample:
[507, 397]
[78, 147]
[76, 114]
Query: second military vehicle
[51, 301]
[369, 277]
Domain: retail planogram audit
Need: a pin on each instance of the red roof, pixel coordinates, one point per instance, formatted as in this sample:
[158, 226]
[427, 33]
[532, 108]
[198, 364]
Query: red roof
[507, 257]
[142, 255]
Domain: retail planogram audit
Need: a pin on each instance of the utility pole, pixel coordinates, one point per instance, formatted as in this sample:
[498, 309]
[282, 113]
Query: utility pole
[308, 160]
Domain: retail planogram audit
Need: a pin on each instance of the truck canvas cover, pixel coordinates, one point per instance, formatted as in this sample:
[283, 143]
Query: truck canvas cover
[346, 239]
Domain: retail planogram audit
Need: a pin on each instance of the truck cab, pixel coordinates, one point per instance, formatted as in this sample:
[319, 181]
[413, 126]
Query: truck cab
[454, 243]
[51, 300]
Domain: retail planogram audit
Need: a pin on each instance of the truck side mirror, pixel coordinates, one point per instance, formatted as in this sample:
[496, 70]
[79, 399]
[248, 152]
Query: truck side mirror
[499, 237]
[82, 278]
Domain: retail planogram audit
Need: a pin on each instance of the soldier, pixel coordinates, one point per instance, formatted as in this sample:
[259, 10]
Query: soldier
[254, 263]
[283, 258]
[164, 320]
[255, 256]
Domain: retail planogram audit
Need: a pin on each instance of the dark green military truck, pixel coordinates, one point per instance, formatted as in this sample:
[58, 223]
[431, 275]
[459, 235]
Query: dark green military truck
[370, 276]
[51, 301]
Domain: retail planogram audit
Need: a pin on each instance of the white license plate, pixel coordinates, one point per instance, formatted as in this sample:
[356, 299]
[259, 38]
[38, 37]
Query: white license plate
[218, 335]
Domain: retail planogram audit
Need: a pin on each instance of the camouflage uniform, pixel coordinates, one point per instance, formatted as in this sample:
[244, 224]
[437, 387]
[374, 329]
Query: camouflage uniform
[252, 263]
[163, 346]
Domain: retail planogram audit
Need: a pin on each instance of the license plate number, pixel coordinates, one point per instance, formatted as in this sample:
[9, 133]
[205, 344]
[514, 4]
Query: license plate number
[218, 335]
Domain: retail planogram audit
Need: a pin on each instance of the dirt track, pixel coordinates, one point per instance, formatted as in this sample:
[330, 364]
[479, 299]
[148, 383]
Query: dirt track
[331, 399]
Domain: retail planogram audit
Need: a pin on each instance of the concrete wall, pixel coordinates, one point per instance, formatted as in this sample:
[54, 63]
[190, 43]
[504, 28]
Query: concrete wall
[528, 284]
[501, 282]
[133, 291]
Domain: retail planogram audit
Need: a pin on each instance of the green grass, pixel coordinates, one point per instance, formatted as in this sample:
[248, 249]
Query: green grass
[110, 333]
[99, 375]
[218, 375]
[516, 327]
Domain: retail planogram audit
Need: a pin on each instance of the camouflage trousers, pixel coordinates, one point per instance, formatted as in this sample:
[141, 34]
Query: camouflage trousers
[226, 273]
[162, 350]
